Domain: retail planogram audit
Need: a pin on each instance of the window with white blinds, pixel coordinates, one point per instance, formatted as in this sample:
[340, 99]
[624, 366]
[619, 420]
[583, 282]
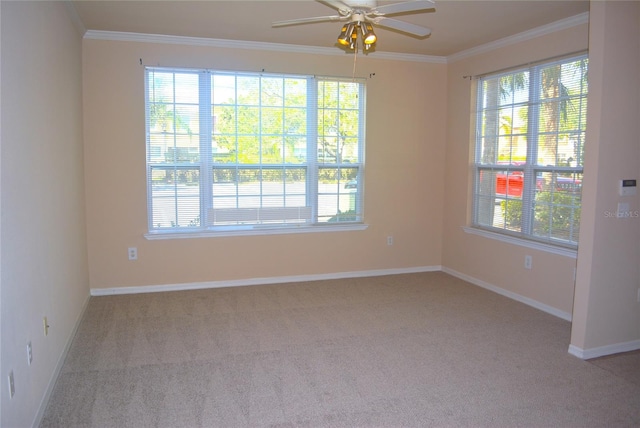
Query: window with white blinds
[238, 152]
[530, 134]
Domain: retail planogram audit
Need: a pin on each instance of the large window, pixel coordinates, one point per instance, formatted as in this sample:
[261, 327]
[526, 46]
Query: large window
[243, 152]
[530, 133]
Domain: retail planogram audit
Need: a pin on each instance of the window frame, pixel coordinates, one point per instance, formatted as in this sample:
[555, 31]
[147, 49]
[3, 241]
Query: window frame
[206, 165]
[530, 170]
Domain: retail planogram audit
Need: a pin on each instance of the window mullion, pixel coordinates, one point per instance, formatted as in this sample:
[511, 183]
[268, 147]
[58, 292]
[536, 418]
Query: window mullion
[478, 149]
[260, 141]
[312, 147]
[283, 146]
[238, 171]
[337, 160]
[148, 83]
[206, 143]
[361, 139]
[532, 151]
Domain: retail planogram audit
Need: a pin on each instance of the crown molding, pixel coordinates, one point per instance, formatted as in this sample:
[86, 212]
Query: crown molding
[408, 57]
[241, 44]
[75, 18]
[562, 24]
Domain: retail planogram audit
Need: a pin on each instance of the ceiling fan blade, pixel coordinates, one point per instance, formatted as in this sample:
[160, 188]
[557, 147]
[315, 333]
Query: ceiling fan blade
[408, 6]
[343, 8]
[308, 20]
[405, 27]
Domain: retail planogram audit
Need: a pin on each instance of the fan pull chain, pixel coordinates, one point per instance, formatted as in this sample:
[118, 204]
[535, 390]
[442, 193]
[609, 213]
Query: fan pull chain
[355, 57]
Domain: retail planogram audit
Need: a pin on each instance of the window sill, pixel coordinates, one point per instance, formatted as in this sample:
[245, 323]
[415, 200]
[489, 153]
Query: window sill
[157, 235]
[541, 246]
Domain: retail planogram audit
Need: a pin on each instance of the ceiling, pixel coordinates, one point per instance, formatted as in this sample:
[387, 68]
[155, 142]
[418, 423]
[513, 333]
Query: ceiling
[457, 25]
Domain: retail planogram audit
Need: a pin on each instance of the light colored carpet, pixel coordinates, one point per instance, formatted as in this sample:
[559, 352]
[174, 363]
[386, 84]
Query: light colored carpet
[410, 350]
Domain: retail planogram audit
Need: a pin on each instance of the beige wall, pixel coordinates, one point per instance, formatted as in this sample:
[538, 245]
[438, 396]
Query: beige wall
[403, 186]
[44, 263]
[607, 310]
[499, 264]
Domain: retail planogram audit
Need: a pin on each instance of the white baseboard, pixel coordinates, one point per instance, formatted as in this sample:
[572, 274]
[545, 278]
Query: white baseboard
[54, 377]
[258, 281]
[522, 299]
[584, 354]
[319, 277]
[601, 351]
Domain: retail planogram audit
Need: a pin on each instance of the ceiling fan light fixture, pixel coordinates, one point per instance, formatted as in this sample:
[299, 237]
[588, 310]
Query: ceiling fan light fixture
[368, 36]
[354, 40]
[346, 34]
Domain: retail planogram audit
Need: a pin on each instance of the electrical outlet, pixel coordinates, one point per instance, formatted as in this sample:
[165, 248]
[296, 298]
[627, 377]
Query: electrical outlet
[528, 262]
[389, 240]
[12, 387]
[29, 353]
[133, 253]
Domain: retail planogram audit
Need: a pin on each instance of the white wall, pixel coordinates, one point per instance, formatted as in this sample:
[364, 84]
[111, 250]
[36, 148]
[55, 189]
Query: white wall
[44, 263]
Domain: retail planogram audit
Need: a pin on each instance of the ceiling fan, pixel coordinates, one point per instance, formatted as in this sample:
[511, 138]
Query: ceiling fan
[361, 15]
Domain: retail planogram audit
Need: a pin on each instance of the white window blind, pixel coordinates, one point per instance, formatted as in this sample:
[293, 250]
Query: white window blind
[530, 134]
[239, 151]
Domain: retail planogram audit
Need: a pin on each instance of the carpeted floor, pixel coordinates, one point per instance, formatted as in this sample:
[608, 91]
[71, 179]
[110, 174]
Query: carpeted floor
[410, 350]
